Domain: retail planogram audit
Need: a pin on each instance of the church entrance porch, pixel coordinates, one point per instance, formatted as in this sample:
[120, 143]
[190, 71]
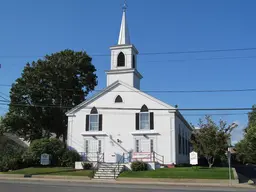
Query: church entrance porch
[94, 150]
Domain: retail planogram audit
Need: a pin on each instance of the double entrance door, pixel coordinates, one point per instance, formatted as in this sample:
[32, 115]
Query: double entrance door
[144, 145]
[93, 150]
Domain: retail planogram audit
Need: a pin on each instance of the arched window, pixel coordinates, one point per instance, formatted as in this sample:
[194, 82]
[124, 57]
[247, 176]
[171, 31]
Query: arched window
[133, 61]
[118, 99]
[94, 110]
[93, 120]
[144, 118]
[121, 60]
[144, 108]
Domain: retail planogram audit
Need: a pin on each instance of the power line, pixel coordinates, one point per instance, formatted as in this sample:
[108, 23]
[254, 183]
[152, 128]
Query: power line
[120, 108]
[202, 59]
[153, 53]
[216, 114]
[164, 91]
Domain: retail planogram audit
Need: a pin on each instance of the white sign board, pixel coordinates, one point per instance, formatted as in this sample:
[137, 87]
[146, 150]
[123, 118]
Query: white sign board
[45, 159]
[143, 156]
[193, 157]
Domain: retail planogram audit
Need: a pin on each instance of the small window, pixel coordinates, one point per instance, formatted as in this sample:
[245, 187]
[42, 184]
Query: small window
[100, 147]
[94, 110]
[86, 146]
[118, 99]
[121, 60]
[144, 108]
[137, 146]
[133, 62]
[151, 145]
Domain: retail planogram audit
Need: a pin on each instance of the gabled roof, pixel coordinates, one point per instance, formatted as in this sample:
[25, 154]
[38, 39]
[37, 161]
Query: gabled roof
[109, 88]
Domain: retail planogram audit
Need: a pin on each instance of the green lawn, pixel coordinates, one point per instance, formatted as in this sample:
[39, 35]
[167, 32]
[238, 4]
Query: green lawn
[181, 173]
[51, 171]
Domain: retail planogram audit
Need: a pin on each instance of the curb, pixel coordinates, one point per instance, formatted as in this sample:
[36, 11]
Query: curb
[55, 177]
[87, 180]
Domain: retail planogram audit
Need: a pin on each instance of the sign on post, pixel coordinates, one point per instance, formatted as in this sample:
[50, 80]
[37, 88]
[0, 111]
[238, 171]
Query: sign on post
[193, 157]
[45, 159]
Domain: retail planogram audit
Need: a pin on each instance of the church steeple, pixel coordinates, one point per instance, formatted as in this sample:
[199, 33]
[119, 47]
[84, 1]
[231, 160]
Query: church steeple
[124, 36]
[124, 58]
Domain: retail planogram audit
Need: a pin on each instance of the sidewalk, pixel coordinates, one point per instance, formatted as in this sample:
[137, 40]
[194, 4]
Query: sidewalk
[132, 181]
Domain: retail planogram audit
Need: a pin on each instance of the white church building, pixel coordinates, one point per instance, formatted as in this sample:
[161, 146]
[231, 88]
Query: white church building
[122, 122]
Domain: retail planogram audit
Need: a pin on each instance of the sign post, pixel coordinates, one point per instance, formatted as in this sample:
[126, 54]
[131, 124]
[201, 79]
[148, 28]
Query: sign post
[193, 158]
[45, 159]
[229, 165]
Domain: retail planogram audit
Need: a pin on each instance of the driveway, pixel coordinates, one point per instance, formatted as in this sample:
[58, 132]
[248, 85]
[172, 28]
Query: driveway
[246, 173]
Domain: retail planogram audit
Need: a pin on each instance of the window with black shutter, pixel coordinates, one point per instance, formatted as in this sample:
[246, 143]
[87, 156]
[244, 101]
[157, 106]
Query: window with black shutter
[144, 119]
[100, 122]
[137, 121]
[94, 121]
[151, 121]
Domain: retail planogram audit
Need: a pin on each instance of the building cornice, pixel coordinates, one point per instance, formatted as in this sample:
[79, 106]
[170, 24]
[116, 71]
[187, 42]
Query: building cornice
[122, 71]
[124, 47]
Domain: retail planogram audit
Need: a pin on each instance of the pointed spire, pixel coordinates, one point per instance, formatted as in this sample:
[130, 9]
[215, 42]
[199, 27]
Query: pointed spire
[124, 37]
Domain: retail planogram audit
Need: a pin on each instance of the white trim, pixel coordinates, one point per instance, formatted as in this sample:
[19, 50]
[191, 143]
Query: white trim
[94, 133]
[145, 132]
[112, 86]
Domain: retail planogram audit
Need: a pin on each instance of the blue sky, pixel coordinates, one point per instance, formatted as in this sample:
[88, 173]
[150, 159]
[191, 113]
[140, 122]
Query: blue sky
[32, 29]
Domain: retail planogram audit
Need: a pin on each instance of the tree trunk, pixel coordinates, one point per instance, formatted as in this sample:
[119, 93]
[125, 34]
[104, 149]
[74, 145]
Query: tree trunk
[210, 161]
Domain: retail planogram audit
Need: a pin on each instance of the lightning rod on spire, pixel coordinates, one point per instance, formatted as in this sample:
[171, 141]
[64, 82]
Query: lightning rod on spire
[125, 5]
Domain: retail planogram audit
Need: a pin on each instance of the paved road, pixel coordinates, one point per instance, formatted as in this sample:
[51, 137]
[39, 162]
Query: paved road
[14, 186]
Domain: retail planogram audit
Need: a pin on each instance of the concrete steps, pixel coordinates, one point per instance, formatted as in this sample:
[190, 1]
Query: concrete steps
[108, 171]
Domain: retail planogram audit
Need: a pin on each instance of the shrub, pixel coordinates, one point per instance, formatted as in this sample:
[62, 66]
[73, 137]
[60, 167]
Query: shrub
[139, 166]
[86, 165]
[69, 158]
[54, 147]
[11, 158]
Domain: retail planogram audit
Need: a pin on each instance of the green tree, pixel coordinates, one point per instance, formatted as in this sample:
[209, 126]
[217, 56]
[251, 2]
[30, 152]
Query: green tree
[46, 89]
[242, 154]
[246, 148]
[211, 140]
[1, 126]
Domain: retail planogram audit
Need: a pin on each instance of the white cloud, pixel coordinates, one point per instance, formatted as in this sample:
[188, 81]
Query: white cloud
[238, 132]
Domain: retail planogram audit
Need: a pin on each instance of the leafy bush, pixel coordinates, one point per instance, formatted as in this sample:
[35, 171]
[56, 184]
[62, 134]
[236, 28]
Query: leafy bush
[69, 158]
[54, 147]
[139, 166]
[86, 165]
[11, 158]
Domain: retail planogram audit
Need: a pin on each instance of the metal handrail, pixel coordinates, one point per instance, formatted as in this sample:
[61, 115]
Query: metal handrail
[156, 158]
[96, 166]
[118, 165]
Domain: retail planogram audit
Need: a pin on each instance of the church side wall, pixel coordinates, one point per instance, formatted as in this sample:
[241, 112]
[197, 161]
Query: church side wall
[182, 155]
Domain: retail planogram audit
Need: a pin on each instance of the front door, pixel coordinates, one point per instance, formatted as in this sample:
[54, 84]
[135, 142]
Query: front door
[93, 149]
[145, 145]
